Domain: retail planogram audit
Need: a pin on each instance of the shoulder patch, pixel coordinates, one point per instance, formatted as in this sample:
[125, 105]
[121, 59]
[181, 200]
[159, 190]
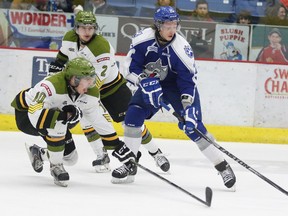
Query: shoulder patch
[188, 51]
[47, 89]
[103, 59]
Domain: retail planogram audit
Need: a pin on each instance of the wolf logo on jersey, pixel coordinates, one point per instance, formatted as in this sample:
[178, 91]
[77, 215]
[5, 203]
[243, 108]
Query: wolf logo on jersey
[155, 69]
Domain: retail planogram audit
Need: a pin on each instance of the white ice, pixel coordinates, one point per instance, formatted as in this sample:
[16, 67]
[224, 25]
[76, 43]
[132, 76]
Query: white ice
[26, 193]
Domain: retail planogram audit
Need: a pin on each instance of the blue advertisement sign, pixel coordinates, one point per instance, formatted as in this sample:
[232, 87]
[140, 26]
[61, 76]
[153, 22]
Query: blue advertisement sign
[40, 68]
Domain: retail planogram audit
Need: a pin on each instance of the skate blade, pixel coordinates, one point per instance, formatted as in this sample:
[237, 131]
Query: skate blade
[61, 183]
[126, 180]
[102, 168]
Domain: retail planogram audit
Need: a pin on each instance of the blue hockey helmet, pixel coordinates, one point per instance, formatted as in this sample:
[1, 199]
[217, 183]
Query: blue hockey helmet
[165, 14]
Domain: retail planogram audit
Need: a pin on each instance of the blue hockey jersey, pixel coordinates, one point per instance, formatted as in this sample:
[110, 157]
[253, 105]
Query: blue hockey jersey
[174, 63]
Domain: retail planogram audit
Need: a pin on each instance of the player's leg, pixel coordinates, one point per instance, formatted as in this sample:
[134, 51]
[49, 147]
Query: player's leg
[148, 142]
[98, 142]
[209, 150]
[117, 105]
[128, 152]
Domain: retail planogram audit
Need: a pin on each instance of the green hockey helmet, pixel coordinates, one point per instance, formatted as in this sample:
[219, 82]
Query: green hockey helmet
[85, 18]
[81, 69]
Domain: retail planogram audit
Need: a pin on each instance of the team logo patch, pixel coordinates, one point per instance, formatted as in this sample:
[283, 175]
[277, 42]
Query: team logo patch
[188, 51]
[47, 89]
[103, 59]
[156, 69]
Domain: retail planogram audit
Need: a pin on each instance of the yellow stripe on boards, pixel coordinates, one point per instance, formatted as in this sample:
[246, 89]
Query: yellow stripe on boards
[169, 130]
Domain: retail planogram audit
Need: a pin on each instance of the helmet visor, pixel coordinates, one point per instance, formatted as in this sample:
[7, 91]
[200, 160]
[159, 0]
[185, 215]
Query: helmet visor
[86, 81]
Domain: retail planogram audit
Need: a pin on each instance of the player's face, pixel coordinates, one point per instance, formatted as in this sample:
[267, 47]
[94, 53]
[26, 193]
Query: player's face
[86, 32]
[85, 84]
[168, 30]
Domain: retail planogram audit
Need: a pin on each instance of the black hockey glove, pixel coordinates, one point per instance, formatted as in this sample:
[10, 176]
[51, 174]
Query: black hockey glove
[74, 114]
[123, 153]
[55, 67]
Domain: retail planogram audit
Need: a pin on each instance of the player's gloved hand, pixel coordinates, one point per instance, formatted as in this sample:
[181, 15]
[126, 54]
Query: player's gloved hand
[74, 114]
[190, 120]
[123, 153]
[55, 67]
[151, 91]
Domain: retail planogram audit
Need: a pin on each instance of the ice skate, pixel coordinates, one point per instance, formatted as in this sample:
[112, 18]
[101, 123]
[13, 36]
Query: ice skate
[227, 174]
[60, 175]
[125, 173]
[34, 153]
[161, 160]
[101, 164]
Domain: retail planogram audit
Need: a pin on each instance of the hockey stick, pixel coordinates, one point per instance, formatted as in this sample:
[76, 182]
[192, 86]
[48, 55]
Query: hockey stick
[208, 190]
[180, 118]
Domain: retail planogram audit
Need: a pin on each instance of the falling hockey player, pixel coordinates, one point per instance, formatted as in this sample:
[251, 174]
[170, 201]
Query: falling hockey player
[161, 63]
[54, 104]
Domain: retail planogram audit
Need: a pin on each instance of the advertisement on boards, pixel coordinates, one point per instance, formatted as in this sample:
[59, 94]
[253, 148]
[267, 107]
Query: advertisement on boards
[200, 35]
[39, 29]
[269, 44]
[231, 42]
[40, 68]
[107, 27]
[271, 96]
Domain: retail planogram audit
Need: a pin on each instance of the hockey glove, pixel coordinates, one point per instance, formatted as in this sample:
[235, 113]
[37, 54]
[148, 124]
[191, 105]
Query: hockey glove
[74, 114]
[190, 120]
[55, 67]
[151, 91]
[123, 153]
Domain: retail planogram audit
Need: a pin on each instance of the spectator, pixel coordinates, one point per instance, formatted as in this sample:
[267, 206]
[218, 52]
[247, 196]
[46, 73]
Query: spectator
[99, 7]
[78, 5]
[22, 4]
[201, 12]
[40, 5]
[5, 31]
[275, 52]
[165, 3]
[6, 34]
[64, 5]
[244, 17]
[150, 11]
[275, 15]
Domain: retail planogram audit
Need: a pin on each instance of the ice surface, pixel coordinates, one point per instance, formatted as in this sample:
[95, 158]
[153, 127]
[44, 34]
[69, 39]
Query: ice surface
[24, 192]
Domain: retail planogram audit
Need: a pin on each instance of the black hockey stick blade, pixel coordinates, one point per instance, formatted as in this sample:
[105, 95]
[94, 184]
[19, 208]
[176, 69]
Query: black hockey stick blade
[209, 194]
[208, 191]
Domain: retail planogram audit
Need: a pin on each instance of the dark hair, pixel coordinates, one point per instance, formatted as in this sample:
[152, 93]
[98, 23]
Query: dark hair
[198, 2]
[244, 14]
[172, 3]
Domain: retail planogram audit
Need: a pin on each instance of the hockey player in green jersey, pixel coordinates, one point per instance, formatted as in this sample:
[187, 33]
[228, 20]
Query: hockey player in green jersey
[84, 41]
[55, 103]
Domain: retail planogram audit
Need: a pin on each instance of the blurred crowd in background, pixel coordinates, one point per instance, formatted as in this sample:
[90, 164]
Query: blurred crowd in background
[270, 12]
[263, 22]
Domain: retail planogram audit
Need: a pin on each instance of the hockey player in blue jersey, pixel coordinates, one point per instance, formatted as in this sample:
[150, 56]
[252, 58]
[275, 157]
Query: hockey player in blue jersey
[161, 63]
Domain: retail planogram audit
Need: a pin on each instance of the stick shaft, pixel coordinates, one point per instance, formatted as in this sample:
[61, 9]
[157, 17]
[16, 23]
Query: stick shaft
[178, 187]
